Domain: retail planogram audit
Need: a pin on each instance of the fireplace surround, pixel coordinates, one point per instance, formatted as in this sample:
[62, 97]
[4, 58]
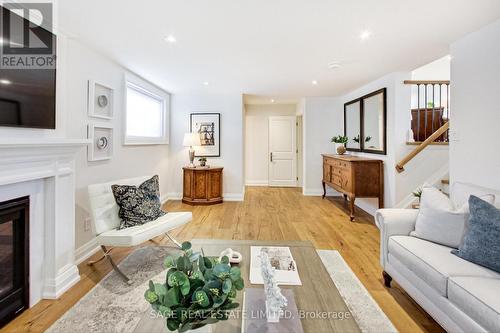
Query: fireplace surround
[44, 171]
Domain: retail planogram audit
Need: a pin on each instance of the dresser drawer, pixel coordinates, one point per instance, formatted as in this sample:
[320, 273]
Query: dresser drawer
[342, 181]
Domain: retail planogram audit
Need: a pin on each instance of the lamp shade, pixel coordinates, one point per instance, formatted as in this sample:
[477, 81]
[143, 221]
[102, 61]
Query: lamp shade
[191, 139]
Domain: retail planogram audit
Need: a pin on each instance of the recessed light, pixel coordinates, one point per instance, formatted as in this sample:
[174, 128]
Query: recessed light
[334, 65]
[365, 35]
[206, 83]
[170, 39]
[5, 81]
[314, 82]
[272, 101]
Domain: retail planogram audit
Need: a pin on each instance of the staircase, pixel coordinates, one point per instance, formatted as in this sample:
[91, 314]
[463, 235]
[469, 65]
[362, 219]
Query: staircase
[430, 115]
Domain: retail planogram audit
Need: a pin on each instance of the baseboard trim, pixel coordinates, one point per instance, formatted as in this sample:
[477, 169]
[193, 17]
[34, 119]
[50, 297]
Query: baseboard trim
[234, 196]
[256, 183]
[315, 192]
[86, 250]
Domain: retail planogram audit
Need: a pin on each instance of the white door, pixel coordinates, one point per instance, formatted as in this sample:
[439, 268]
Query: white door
[282, 151]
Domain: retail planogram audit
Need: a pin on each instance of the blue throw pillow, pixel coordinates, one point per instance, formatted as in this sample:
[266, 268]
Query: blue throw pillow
[481, 243]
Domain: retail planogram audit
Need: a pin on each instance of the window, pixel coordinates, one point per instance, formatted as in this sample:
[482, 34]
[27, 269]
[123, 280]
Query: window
[146, 120]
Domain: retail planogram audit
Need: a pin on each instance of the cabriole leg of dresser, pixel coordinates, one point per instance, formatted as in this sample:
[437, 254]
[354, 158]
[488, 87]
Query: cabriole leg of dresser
[324, 190]
[351, 207]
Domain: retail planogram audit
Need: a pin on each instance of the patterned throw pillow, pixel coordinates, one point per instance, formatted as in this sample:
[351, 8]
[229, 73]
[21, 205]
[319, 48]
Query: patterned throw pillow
[482, 241]
[138, 205]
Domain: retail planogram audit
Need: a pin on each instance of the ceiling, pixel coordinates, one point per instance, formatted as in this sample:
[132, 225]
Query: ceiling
[271, 48]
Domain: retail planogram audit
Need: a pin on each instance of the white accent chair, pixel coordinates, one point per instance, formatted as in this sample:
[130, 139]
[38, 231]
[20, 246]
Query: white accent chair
[459, 295]
[105, 222]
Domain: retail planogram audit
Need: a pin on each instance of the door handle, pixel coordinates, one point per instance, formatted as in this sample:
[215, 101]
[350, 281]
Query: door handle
[271, 156]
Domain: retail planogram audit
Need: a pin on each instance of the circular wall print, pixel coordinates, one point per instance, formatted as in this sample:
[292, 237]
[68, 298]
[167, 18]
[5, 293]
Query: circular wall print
[102, 142]
[102, 101]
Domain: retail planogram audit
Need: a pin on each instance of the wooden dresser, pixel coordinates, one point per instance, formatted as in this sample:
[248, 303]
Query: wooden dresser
[202, 185]
[355, 177]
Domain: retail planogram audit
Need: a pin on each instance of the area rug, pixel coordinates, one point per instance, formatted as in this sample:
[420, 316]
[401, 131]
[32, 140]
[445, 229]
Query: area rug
[113, 306]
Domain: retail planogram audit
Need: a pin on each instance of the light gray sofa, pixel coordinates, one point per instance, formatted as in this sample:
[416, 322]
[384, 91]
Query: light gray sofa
[459, 295]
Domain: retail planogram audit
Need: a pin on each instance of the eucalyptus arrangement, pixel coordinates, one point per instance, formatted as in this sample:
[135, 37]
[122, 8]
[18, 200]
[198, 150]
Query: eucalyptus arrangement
[198, 290]
[340, 143]
[340, 139]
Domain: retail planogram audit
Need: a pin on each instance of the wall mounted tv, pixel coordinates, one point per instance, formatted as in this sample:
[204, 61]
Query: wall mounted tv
[27, 95]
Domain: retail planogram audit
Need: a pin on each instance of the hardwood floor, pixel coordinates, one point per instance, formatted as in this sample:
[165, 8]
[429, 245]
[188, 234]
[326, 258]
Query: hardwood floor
[266, 214]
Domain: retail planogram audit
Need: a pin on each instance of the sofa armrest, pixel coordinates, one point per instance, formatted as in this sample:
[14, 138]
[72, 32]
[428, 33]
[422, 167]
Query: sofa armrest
[393, 222]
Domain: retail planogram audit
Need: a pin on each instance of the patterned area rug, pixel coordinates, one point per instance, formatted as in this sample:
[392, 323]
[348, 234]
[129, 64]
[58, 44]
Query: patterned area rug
[113, 306]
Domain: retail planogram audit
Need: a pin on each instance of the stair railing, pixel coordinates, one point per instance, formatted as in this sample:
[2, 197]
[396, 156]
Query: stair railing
[443, 129]
[430, 108]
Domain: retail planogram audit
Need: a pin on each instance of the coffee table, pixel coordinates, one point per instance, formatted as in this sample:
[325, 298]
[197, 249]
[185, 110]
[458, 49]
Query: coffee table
[317, 299]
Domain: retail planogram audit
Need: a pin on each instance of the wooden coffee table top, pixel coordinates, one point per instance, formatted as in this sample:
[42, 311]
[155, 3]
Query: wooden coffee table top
[318, 299]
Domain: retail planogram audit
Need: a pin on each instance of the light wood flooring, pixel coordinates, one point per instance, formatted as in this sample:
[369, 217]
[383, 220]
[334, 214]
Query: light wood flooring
[266, 214]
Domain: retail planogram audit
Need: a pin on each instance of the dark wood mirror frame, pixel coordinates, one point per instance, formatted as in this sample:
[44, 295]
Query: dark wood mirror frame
[362, 148]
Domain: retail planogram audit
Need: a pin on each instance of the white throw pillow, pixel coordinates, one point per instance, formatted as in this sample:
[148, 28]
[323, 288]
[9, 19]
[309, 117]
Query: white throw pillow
[440, 221]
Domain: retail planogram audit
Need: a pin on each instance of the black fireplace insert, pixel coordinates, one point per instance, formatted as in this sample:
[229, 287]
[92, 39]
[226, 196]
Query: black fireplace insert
[14, 258]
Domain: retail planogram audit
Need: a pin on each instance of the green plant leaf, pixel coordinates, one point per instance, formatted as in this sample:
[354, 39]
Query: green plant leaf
[209, 275]
[151, 285]
[164, 310]
[201, 298]
[186, 246]
[229, 306]
[150, 296]
[169, 262]
[198, 275]
[221, 270]
[224, 260]
[239, 284]
[185, 287]
[201, 264]
[177, 279]
[208, 262]
[227, 286]
[160, 289]
[172, 297]
[235, 273]
[172, 324]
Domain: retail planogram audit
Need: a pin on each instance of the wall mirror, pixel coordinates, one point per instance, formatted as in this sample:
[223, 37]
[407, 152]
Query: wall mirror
[352, 124]
[365, 123]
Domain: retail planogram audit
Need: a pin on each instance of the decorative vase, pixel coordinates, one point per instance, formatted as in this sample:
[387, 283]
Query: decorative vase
[340, 148]
[203, 163]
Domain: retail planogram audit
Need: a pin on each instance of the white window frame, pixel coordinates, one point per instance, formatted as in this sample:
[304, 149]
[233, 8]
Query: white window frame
[138, 84]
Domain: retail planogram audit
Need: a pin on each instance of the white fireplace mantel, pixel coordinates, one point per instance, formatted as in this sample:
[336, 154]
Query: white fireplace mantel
[52, 162]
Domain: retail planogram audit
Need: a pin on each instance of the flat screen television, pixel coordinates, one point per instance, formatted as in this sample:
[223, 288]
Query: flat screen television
[27, 96]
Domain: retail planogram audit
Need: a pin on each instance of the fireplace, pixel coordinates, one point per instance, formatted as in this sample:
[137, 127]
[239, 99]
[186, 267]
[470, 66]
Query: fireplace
[14, 258]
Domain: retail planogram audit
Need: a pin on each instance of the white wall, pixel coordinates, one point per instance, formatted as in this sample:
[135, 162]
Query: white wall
[231, 109]
[439, 69]
[475, 73]
[322, 119]
[76, 65]
[257, 140]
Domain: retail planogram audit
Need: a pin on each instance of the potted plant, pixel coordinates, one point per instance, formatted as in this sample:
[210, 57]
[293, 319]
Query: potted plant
[203, 161]
[197, 291]
[340, 142]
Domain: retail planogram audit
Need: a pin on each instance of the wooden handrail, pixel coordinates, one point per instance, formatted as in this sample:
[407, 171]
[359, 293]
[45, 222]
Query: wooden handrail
[426, 82]
[422, 146]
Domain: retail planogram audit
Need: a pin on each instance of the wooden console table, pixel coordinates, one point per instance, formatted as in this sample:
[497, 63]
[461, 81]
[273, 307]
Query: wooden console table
[202, 185]
[355, 177]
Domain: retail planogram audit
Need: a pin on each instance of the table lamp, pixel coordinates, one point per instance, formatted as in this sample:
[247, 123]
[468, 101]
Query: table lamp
[190, 140]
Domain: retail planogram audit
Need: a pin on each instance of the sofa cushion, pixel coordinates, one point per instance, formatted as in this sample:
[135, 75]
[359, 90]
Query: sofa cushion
[478, 298]
[138, 204]
[136, 235]
[482, 242]
[432, 262]
[439, 220]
